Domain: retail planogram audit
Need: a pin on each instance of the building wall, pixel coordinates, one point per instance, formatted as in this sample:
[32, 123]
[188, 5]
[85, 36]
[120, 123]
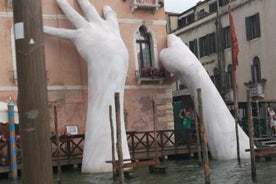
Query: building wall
[67, 73]
[262, 47]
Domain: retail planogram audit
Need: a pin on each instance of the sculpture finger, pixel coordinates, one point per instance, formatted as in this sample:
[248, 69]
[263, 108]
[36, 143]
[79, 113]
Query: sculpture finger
[89, 10]
[74, 17]
[59, 32]
[110, 16]
[174, 41]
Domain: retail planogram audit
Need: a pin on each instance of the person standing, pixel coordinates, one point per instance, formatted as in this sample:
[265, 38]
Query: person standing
[272, 119]
[186, 116]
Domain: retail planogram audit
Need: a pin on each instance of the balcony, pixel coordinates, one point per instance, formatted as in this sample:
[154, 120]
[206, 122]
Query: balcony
[149, 75]
[9, 3]
[256, 90]
[229, 96]
[144, 4]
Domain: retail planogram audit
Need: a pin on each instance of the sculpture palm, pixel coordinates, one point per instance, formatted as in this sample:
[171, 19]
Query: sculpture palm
[99, 42]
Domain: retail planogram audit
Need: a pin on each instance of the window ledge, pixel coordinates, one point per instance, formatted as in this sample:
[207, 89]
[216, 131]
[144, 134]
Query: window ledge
[145, 80]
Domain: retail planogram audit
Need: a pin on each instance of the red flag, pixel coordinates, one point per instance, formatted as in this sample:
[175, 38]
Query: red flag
[234, 41]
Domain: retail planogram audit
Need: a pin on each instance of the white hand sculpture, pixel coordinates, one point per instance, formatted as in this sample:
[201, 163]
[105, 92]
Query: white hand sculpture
[219, 123]
[99, 42]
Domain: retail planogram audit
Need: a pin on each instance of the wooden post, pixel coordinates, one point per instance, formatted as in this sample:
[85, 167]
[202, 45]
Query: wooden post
[203, 136]
[251, 137]
[258, 117]
[32, 93]
[119, 138]
[154, 133]
[112, 144]
[198, 140]
[58, 146]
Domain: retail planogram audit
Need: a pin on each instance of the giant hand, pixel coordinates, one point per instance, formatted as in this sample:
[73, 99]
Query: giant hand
[99, 42]
[219, 123]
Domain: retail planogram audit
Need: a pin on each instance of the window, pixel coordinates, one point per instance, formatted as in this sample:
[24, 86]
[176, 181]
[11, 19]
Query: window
[190, 18]
[181, 22]
[193, 47]
[229, 82]
[201, 14]
[223, 2]
[144, 48]
[256, 70]
[213, 7]
[186, 20]
[253, 29]
[207, 45]
[226, 37]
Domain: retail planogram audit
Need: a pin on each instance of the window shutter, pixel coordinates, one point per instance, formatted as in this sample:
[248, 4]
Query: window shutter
[247, 26]
[258, 25]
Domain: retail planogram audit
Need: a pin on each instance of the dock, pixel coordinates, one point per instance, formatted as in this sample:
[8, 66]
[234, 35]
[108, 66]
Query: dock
[265, 147]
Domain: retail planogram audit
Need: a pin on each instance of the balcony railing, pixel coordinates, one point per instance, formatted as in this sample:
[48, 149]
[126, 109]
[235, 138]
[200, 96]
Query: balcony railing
[144, 4]
[256, 90]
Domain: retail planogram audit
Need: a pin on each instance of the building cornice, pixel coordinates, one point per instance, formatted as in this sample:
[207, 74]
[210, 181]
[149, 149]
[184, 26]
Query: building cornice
[212, 17]
[80, 87]
[121, 21]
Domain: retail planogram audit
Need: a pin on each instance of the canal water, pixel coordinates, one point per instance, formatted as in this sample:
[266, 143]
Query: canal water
[181, 171]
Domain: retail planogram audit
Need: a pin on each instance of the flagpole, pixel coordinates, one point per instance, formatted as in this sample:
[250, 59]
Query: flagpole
[234, 53]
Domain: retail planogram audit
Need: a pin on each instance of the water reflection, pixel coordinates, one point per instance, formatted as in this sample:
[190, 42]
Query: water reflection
[184, 171]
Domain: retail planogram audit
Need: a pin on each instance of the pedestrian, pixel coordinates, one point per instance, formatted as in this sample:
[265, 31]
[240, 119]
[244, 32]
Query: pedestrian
[186, 115]
[272, 119]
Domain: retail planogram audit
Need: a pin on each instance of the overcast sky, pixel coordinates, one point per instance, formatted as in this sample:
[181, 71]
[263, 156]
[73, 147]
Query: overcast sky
[178, 6]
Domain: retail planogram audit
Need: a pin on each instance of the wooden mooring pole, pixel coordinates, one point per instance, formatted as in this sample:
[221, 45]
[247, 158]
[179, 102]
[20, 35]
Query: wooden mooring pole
[154, 132]
[58, 148]
[198, 140]
[251, 137]
[12, 141]
[203, 136]
[119, 138]
[32, 101]
[112, 144]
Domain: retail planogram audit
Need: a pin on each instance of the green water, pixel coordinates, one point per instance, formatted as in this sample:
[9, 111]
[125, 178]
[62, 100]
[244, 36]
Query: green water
[184, 171]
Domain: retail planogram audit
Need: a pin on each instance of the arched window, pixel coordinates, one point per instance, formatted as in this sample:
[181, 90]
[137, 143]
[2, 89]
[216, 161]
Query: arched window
[229, 82]
[144, 48]
[256, 70]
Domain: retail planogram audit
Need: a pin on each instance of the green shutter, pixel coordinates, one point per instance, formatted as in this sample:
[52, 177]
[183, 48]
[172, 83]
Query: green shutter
[258, 25]
[247, 26]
